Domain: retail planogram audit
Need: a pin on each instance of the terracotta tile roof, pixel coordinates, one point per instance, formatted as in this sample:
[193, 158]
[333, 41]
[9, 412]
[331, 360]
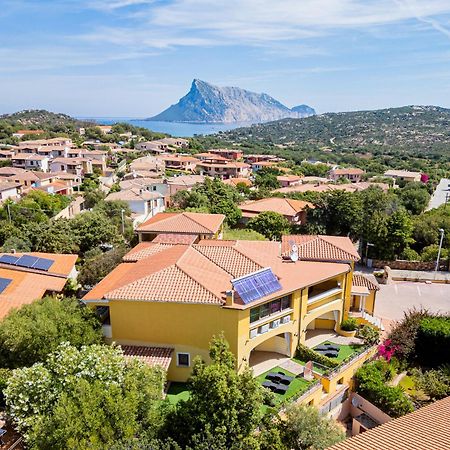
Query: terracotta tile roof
[284, 206]
[152, 356]
[348, 171]
[174, 238]
[144, 250]
[290, 178]
[320, 247]
[236, 181]
[133, 194]
[366, 280]
[28, 285]
[402, 173]
[185, 222]
[202, 273]
[425, 429]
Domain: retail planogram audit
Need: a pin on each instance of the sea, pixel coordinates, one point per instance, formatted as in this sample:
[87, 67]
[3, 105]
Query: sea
[177, 129]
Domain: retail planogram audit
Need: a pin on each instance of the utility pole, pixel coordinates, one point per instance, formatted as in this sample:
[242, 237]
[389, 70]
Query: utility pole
[441, 230]
[123, 221]
[9, 212]
[368, 244]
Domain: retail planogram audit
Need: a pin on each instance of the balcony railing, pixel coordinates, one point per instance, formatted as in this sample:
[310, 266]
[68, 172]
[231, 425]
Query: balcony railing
[323, 295]
[263, 326]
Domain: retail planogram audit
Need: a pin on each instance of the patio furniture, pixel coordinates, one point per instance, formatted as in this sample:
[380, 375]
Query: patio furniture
[285, 379]
[330, 354]
[274, 376]
[270, 385]
[281, 389]
[2, 433]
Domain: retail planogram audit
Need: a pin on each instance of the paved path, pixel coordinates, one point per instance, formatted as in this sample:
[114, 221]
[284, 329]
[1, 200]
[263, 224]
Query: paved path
[439, 195]
[394, 299]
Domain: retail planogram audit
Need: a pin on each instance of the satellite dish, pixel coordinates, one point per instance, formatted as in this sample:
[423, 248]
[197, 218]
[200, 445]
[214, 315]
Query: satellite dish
[294, 253]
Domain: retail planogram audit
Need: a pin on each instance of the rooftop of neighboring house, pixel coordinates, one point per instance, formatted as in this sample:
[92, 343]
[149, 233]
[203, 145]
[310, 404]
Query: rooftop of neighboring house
[203, 272]
[151, 356]
[264, 163]
[7, 185]
[347, 171]
[133, 194]
[207, 155]
[320, 247]
[140, 182]
[365, 280]
[29, 156]
[284, 206]
[173, 141]
[63, 160]
[402, 173]
[317, 188]
[182, 158]
[8, 171]
[140, 174]
[54, 186]
[225, 163]
[424, 429]
[22, 285]
[55, 141]
[25, 175]
[184, 222]
[30, 132]
[237, 180]
[289, 178]
[186, 180]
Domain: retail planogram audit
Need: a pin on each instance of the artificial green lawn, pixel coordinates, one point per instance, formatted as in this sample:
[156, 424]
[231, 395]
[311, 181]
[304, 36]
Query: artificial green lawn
[177, 392]
[297, 386]
[344, 350]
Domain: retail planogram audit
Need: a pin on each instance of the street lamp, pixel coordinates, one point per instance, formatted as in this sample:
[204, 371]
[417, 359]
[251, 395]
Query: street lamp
[123, 221]
[368, 244]
[441, 230]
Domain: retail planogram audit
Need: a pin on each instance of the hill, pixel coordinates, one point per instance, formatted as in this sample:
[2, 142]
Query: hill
[208, 103]
[30, 118]
[409, 128]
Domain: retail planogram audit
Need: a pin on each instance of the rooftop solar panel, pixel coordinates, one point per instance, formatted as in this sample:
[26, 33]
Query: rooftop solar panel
[43, 264]
[256, 285]
[26, 261]
[8, 259]
[4, 283]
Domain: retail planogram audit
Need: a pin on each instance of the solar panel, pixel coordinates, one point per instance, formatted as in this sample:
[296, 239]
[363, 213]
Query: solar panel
[256, 285]
[43, 264]
[8, 259]
[4, 283]
[26, 261]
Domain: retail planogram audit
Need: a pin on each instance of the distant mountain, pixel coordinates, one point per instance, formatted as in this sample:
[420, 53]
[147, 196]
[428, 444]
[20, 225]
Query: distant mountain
[304, 110]
[409, 127]
[42, 118]
[207, 103]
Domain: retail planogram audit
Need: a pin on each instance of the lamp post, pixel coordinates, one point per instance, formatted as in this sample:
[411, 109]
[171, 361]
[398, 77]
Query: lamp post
[368, 244]
[441, 230]
[123, 221]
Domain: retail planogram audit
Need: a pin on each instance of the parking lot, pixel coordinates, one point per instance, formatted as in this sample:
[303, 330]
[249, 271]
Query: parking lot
[396, 298]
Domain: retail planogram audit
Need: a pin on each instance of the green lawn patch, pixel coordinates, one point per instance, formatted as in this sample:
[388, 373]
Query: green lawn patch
[297, 386]
[408, 385]
[344, 350]
[177, 392]
[242, 234]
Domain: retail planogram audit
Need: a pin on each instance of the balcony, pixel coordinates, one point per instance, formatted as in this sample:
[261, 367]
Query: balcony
[324, 295]
[269, 323]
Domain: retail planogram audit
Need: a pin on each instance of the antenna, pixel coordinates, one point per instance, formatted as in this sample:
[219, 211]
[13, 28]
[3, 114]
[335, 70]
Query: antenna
[294, 253]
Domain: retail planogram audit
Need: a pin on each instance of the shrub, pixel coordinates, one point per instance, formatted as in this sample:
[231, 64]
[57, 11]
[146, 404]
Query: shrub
[349, 324]
[308, 354]
[370, 335]
[433, 341]
[435, 383]
[370, 383]
[4, 375]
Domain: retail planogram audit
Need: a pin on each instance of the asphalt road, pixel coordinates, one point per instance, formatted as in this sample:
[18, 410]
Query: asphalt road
[394, 299]
[438, 197]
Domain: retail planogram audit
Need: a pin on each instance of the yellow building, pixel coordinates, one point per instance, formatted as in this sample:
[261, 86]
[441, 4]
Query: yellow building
[167, 300]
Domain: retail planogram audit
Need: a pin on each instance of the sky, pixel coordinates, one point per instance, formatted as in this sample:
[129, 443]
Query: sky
[134, 58]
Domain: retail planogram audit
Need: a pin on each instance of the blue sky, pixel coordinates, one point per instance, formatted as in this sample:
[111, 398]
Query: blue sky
[133, 58]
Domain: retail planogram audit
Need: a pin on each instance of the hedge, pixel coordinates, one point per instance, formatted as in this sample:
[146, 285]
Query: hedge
[433, 341]
[370, 383]
[308, 354]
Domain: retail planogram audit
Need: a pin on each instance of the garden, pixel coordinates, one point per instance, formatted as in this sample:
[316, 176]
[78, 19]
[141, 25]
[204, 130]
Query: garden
[413, 365]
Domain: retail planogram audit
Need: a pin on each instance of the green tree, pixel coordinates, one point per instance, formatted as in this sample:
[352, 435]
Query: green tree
[306, 429]
[222, 403]
[270, 224]
[430, 253]
[414, 197]
[29, 334]
[86, 398]
[267, 178]
[54, 237]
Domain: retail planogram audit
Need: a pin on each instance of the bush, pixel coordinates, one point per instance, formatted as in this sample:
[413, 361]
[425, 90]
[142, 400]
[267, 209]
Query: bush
[349, 324]
[308, 354]
[433, 341]
[370, 383]
[410, 254]
[370, 335]
[435, 383]
[4, 376]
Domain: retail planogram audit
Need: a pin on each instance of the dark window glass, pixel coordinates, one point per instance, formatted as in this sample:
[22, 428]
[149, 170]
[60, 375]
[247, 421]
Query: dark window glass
[254, 314]
[183, 359]
[286, 302]
[275, 306]
[265, 310]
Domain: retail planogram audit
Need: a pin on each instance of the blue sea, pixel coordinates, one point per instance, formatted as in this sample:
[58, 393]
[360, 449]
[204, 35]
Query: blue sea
[177, 129]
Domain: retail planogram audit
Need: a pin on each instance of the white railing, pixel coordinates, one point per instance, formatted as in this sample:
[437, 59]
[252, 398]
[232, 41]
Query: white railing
[323, 295]
[373, 320]
[107, 331]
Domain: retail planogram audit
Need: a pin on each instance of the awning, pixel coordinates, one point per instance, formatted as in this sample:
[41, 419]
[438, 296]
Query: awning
[360, 290]
[152, 356]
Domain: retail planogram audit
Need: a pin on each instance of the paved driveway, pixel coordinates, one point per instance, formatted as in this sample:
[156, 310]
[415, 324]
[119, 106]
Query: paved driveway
[439, 195]
[393, 299]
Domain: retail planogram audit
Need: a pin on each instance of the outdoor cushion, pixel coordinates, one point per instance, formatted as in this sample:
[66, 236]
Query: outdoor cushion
[270, 385]
[281, 389]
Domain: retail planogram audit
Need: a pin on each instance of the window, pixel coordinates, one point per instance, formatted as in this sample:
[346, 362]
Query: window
[267, 309]
[183, 359]
[254, 314]
[285, 302]
[275, 306]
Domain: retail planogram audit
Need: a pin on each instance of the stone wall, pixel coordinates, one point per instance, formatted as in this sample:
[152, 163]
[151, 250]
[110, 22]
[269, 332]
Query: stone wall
[402, 264]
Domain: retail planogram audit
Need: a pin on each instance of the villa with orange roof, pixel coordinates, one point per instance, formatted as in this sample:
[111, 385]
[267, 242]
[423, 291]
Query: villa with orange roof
[178, 290]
